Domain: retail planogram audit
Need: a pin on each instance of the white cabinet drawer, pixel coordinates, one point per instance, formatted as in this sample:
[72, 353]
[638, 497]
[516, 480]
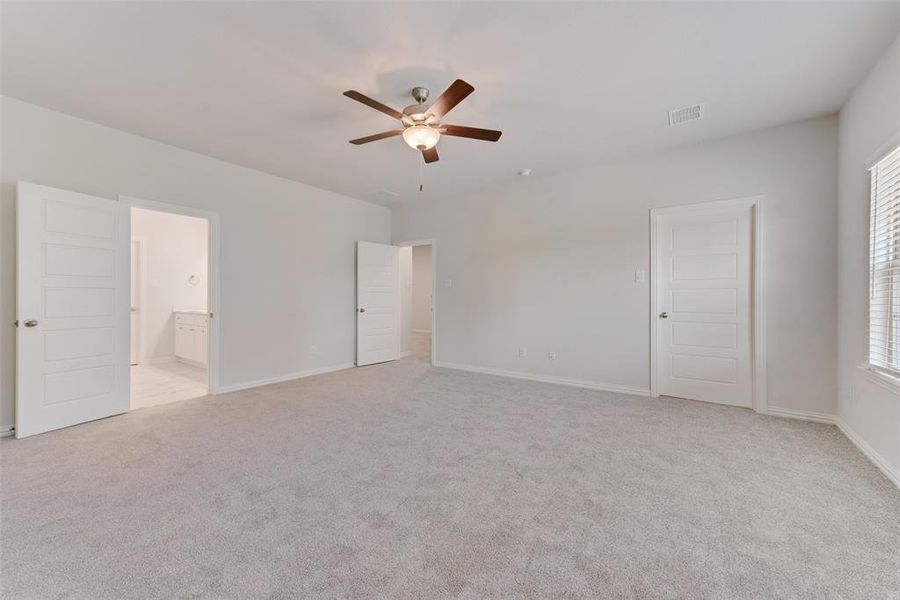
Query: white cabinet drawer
[190, 319]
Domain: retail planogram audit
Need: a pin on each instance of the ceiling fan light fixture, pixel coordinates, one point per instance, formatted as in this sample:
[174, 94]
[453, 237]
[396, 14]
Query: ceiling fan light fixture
[421, 137]
[422, 126]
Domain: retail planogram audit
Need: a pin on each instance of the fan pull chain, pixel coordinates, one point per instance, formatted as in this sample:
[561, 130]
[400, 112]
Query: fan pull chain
[421, 186]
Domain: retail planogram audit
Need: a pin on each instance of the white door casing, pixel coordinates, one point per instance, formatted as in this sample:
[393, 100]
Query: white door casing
[377, 303]
[704, 299]
[73, 288]
[135, 301]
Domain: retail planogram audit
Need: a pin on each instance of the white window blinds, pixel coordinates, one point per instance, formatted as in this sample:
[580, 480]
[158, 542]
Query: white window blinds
[884, 265]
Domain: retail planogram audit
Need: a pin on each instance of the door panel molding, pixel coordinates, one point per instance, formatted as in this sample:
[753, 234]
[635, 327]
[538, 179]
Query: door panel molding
[377, 303]
[72, 300]
[756, 204]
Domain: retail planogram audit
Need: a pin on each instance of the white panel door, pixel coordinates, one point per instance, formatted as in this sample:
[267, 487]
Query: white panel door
[704, 271]
[73, 286]
[377, 303]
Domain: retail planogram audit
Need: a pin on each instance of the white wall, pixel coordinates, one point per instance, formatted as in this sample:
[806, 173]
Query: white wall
[869, 124]
[287, 249]
[173, 248]
[421, 288]
[548, 262]
[406, 293]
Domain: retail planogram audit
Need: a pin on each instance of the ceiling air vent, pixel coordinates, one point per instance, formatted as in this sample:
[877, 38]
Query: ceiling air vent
[688, 113]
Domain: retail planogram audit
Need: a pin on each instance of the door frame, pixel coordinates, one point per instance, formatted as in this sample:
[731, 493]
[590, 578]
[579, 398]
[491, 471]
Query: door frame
[433, 243]
[757, 296]
[139, 242]
[213, 305]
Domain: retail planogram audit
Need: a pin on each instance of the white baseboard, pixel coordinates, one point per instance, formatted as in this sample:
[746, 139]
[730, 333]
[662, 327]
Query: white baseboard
[234, 387]
[428, 331]
[883, 465]
[157, 360]
[6, 430]
[591, 385]
[803, 415]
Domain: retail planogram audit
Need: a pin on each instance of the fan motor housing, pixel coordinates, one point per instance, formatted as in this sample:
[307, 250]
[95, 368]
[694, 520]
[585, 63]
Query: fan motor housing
[418, 115]
[416, 110]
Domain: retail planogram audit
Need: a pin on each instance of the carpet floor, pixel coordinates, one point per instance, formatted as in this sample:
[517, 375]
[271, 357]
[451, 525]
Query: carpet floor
[407, 481]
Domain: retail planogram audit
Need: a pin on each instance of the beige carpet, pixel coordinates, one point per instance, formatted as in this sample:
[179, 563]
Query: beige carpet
[406, 481]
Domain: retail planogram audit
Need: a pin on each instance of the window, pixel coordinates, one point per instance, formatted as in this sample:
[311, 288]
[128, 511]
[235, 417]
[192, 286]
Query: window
[884, 265]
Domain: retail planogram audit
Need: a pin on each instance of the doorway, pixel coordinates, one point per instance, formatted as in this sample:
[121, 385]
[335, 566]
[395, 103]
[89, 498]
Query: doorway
[74, 265]
[706, 316]
[170, 307]
[417, 301]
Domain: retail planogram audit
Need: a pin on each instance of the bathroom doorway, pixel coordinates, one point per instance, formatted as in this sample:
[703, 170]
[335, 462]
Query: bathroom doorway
[416, 266]
[170, 307]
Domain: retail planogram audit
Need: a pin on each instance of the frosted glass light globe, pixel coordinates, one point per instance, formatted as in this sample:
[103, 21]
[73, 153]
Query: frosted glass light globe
[421, 137]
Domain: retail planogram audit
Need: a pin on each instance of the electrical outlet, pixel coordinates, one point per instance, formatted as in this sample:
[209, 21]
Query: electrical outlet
[448, 283]
[640, 276]
[523, 352]
[551, 356]
[314, 350]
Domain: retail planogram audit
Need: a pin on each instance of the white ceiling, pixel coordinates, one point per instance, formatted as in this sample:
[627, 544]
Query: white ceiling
[259, 84]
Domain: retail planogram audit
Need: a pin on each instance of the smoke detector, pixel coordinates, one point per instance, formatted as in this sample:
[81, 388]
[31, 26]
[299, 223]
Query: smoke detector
[688, 113]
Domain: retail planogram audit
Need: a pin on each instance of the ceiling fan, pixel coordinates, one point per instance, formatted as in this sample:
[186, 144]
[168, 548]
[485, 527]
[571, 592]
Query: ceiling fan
[422, 127]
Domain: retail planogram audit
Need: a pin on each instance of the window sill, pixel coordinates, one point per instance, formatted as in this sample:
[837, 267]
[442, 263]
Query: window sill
[881, 379]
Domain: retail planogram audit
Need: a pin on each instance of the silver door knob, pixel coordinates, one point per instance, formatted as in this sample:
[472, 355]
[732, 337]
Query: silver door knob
[31, 323]
[362, 310]
[664, 315]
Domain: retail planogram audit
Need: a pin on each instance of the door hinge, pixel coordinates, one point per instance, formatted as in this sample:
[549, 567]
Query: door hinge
[16, 322]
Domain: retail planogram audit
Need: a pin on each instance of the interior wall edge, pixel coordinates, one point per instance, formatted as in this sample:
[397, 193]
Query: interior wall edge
[892, 473]
[235, 387]
[590, 385]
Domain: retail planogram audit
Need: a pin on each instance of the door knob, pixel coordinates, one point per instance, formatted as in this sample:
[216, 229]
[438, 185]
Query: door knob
[31, 323]
[362, 310]
[663, 315]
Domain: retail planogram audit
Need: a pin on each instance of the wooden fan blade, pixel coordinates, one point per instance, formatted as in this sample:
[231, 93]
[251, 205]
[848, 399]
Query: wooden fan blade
[452, 96]
[430, 155]
[487, 135]
[376, 137]
[353, 94]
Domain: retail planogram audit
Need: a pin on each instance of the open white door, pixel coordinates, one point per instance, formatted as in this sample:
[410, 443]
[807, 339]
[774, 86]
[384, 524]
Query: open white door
[704, 267]
[73, 284]
[377, 303]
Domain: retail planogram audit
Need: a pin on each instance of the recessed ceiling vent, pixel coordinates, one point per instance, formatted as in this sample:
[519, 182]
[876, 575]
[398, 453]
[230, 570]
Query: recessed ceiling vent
[688, 113]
